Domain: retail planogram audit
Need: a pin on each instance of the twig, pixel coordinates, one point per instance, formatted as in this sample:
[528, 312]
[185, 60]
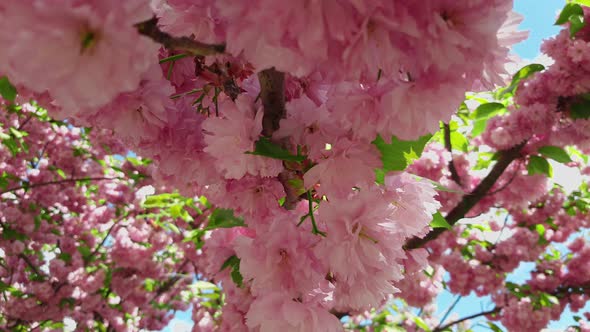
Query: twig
[166, 286]
[31, 265]
[150, 29]
[22, 125]
[442, 320]
[446, 326]
[42, 184]
[471, 199]
[454, 174]
[502, 229]
[95, 251]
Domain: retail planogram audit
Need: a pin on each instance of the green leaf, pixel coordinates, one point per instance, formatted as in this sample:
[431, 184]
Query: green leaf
[10, 234]
[150, 284]
[61, 173]
[540, 229]
[522, 74]
[200, 284]
[234, 263]
[399, 154]
[173, 58]
[539, 165]
[85, 251]
[494, 327]
[421, 324]
[577, 23]
[236, 276]
[264, 147]
[7, 90]
[580, 109]
[438, 221]
[459, 141]
[570, 9]
[64, 256]
[482, 114]
[487, 110]
[556, 153]
[224, 218]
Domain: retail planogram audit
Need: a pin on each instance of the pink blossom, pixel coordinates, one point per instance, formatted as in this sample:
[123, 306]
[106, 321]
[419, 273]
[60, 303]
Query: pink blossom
[277, 312]
[79, 46]
[229, 137]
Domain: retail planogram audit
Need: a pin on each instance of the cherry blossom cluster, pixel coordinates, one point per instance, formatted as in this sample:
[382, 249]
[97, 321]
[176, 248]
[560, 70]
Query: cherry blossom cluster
[285, 115]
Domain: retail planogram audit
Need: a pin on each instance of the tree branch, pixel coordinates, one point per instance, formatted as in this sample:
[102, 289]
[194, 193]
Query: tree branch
[454, 174]
[471, 199]
[272, 93]
[42, 184]
[150, 29]
[483, 313]
[31, 265]
[448, 312]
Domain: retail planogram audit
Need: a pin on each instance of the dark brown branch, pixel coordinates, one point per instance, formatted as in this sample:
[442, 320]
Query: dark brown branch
[42, 184]
[484, 313]
[182, 44]
[95, 251]
[31, 265]
[272, 93]
[454, 174]
[506, 184]
[22, 125]
[471, 199]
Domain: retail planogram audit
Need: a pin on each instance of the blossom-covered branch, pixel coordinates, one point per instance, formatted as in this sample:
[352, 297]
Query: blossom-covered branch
[185, 44]
[469, 200]
[455, 322]
[49, 183]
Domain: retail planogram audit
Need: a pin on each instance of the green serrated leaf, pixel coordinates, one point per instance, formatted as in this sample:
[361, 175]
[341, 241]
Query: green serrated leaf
[569, 10]
[487, 111]
[399, 154]
[264, 147]
[556, 153]
[522, 74]
[7, 90]
[539, 165]
[438, 221]
[577, 23]
[224, 218]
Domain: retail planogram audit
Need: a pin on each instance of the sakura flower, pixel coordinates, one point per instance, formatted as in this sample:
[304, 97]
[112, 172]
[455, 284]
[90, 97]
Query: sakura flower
[78, 46]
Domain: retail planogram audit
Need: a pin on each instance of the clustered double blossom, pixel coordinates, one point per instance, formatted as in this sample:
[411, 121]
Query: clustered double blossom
[318, 80]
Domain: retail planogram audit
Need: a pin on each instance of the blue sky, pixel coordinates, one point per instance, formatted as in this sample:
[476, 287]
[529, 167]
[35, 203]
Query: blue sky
[539, 16]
